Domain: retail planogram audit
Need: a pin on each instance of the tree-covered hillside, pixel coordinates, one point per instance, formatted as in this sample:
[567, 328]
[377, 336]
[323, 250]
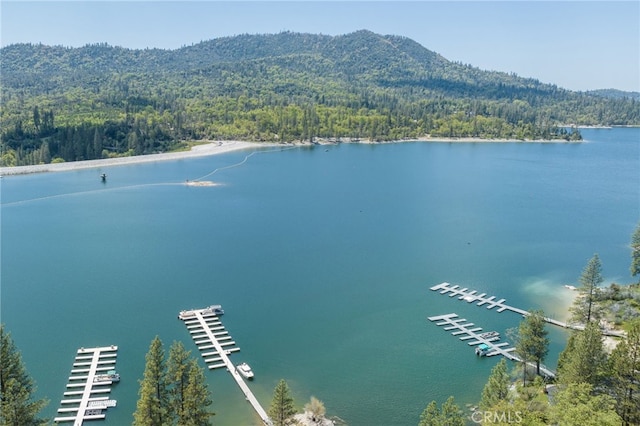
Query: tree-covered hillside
[66, 104]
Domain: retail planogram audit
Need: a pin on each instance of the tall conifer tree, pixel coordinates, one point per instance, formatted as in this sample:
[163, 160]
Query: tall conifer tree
[585, 360]
[178, 377]
[153, 405]
[17, 406]
[625, 374]
[282, 407]
[497, 387]
[197, 399]
[591, 278]
[533, 338]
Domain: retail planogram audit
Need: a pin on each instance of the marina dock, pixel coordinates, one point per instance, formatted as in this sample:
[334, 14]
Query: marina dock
[85, 399]
[215, 346]
[472, 296]
[473, 334]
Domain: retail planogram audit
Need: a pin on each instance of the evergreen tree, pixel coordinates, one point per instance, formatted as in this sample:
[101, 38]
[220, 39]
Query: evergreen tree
[197, 399]
[497, 387]
[282, 407]
[153, 405]
[585, 360]
[591, 278]
[625, 375]
[575, 404]
[430, 416]
[178, 378]
[635, 252]
[17, 406]
[533, 341]
[449, 415]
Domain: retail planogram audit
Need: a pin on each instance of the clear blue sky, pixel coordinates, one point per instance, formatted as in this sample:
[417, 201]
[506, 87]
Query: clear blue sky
[576, 45]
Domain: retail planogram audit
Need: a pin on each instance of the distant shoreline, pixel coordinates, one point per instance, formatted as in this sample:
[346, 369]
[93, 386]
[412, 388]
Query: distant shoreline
[221, 147]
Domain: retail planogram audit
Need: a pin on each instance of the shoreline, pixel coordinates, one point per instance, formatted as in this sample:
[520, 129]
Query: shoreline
[222, 147]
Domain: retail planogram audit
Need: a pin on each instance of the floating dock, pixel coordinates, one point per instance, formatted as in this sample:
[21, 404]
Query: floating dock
[215, 346]
[469, 332]
[81, 402]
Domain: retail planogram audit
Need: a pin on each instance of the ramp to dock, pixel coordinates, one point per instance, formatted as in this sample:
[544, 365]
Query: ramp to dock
[88, 363]
[210, 336]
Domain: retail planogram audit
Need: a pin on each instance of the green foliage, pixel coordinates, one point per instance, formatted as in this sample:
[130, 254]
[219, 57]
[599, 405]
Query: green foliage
[449, 414]
[533, 343]
[576, 405]
[635, 252]
[584, 359]
[282, 407]
[583, 309]
[16, 387]
[625, 375]
[153, 404]
[196, 399]
[173, 391]
[497, 387]
[98, 100]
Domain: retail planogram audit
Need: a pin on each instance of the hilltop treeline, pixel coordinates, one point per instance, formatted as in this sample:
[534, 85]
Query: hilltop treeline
[66, 104]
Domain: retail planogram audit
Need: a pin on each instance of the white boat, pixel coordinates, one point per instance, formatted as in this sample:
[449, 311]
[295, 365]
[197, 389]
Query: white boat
[489, 335]
[213, 309]
[245, 370]
[111, 376]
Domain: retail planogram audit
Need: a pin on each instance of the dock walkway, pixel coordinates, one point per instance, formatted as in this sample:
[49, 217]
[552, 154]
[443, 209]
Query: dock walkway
[210, 336]
[472, 296]
[469, 332]
[89, 362]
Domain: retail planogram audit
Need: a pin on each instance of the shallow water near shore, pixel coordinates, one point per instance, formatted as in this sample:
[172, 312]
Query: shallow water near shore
[322, 259]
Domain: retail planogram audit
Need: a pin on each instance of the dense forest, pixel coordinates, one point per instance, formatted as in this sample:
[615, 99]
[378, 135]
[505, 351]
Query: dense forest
[98, 101]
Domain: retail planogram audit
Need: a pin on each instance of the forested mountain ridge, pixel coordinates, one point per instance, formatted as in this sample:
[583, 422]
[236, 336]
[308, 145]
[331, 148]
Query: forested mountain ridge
[98, 100]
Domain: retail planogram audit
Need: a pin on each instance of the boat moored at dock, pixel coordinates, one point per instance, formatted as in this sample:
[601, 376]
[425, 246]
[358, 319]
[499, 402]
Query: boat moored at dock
[245, 370]
[211, 310]
[111, 376]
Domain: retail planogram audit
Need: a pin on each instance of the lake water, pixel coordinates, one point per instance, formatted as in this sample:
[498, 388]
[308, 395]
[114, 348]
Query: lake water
[322, 259]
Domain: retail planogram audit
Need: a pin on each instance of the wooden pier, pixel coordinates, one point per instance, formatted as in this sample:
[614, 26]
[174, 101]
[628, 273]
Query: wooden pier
[89, 363]
[470, 332]
[215, 346]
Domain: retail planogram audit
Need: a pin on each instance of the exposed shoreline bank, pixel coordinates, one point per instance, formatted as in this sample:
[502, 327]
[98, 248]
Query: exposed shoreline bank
[221, 147]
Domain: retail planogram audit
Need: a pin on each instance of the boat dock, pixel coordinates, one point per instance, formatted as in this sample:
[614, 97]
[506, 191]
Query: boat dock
[81, 402]
[470, 332]
[472, 296]
[215, 346]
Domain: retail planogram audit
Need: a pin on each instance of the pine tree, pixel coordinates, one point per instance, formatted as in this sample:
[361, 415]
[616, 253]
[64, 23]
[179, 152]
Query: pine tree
[533, 338]
[591, 278]
[575, 404]
[449, 415]
[16, 387]
[282, 407]
[178, 378]
[430, 416]
[497, 387]
[153, 405]
[585, 360]
[625, 375]
[635, 252]
[197, 398]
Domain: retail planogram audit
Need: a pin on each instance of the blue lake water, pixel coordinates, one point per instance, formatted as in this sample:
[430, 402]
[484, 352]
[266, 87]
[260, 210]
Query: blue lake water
[322, 258]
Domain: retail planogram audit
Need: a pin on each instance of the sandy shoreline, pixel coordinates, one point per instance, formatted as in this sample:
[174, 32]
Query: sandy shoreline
[213, 148]
[221, 147]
